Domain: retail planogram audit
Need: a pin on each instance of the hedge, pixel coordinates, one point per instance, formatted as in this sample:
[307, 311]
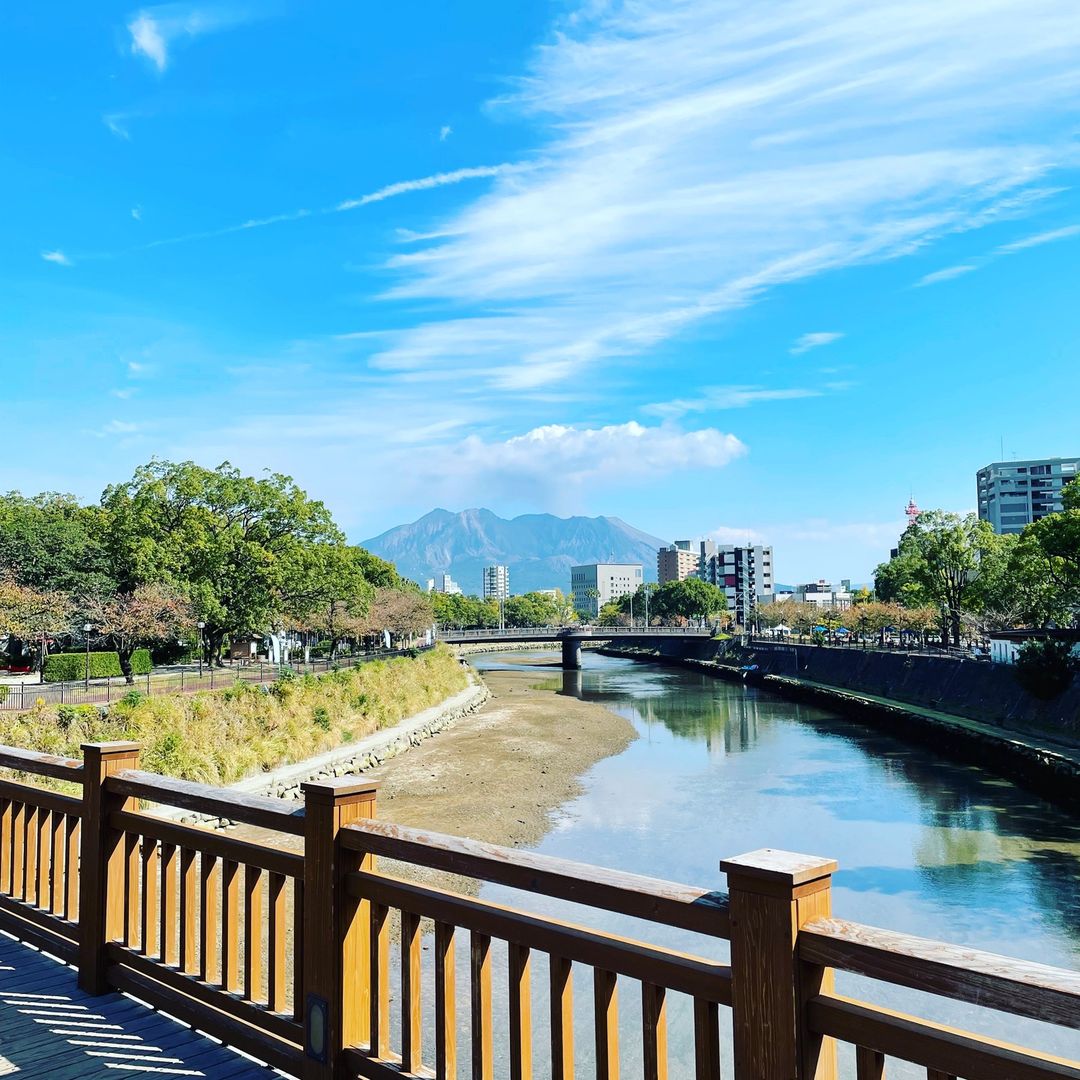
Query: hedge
[71, 667]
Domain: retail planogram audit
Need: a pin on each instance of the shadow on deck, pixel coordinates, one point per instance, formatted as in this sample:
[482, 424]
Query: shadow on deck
[49, 1027]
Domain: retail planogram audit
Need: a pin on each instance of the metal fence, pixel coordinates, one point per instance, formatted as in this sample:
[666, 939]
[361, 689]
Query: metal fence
[22, 696]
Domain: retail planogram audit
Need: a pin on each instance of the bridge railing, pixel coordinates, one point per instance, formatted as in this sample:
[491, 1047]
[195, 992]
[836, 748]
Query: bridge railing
[316, 960]
[552, 633]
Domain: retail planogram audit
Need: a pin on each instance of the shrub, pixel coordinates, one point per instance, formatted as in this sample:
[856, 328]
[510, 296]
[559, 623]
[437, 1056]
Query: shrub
[320, 717]
[141, 663]
[70, 667]
[132, 699]
[3, 694]
[1045, 668]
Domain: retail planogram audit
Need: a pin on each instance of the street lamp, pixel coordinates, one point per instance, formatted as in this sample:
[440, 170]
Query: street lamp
[202, 627]
[86, 674]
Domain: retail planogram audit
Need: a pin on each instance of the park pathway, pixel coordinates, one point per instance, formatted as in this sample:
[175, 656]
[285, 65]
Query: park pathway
[50, 1028]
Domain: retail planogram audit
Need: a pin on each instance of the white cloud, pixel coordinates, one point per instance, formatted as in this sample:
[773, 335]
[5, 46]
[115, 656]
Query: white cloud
[814, 341]
[119, 428]
[425, 183]
[725, 397]
[445, 132]
[117, 124]
[697, 154]
[123, 393]
[548, 461]
[1039, 239]
[57, 257]
[155, 30]
[136, 213]
[947, 274]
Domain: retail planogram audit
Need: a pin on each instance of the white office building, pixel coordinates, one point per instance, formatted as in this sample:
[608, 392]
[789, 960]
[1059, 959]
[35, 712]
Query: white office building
[1013, 494]
[743, 573]
[821, 594]
[443, 583]
[596, 584]
[496, 585]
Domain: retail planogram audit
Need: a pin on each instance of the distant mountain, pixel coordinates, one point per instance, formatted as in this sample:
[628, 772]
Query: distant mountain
[538, 548]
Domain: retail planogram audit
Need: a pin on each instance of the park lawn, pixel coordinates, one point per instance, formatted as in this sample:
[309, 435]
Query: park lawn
[221, 736]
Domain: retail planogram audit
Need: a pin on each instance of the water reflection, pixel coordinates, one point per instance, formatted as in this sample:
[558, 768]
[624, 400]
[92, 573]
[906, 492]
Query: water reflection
[926, 845]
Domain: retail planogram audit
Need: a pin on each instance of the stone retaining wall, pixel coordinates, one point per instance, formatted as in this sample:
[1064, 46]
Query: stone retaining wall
[358, 757]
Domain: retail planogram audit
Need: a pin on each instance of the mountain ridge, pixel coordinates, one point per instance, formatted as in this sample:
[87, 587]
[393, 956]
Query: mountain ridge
[538, 548]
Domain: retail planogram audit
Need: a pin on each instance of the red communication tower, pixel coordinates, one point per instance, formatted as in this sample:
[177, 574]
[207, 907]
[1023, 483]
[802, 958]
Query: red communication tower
[912, 511]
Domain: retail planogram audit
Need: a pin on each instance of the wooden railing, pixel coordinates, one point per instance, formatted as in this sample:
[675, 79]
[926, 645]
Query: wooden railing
[287, 954]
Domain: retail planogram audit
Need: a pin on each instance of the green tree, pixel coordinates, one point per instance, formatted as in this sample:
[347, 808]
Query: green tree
[1055, 542]
[690, 598]
[531, 609]
[233, 543]
[332, 590]
[940, 555]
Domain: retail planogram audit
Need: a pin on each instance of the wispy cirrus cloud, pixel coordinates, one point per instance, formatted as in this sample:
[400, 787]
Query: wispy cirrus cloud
[946, 274]
[695, 155]
[445, 132]
[57, 257]
[154, 31]
[1014, 247]
[814, 341]
[726, 397]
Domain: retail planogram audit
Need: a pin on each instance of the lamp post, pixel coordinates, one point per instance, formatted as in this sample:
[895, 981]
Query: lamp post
[86, 674]
[202, 626]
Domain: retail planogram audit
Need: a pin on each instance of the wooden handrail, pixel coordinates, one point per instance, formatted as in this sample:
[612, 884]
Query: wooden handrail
[971, 975]
[259, 810]
[42, 797]
[652, 899]
[211, 842]
[30, 761]
[694, 975]
[937, 1047]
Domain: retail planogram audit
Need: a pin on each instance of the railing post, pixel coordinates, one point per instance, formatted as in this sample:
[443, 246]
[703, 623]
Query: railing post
[337, 928]
[101, 866]
[773, 894]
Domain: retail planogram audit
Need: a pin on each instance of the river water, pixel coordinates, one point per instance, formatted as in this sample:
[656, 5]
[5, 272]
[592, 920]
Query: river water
[927, 846]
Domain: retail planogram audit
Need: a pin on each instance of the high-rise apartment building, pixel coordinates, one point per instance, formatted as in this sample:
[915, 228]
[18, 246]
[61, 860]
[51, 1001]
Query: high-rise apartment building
[496, 582]
[744, 573]
[1013, 494]
[676, 562]
[595, 584]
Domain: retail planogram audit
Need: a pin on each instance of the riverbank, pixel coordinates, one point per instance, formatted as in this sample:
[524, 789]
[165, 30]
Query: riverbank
[1048, 766]
[497, 774]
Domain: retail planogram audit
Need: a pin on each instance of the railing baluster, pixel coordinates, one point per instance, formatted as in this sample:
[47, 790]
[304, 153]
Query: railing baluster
[44, 881]
[72, 832]
[208, 917]
[380, 982]
[410, 992]
[18, 849]
[169, 931]
[275, 941]
[253, 918]
[56, 863]
[189, 951]
[561, 979]
[298, 949]
[520, 972]
[482, 1048]
[132, 910]
[606, 1020]
[654, 1031]
[706, 1040]
[869, 1064]
[445, 1004]
[149, 927]
[29, 882]
[6, 815]
[230, 925]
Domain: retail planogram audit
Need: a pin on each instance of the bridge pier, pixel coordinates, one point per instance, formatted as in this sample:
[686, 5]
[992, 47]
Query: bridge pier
[571, 653]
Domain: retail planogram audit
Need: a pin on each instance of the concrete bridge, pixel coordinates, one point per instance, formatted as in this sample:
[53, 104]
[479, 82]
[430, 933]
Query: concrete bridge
[571, 637]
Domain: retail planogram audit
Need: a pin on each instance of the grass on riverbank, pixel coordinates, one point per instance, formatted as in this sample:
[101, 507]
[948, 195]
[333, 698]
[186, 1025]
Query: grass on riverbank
[220, 736]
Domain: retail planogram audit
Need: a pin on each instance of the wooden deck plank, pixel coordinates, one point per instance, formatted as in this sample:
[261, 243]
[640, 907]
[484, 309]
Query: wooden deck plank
[40, 1036]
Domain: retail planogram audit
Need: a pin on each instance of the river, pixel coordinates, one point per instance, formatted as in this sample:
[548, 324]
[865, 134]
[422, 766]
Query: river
[928, 846]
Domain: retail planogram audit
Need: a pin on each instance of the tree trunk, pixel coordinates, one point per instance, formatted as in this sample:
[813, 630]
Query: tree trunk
[212, 642]
[125, 655]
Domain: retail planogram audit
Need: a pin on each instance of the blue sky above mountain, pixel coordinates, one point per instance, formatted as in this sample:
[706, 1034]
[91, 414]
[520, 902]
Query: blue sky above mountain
[715, 268]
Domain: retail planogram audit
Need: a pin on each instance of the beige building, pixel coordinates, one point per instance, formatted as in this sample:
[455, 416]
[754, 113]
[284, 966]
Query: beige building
[676, 562]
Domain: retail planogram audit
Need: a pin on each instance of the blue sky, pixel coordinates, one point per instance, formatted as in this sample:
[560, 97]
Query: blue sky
[743, 270]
